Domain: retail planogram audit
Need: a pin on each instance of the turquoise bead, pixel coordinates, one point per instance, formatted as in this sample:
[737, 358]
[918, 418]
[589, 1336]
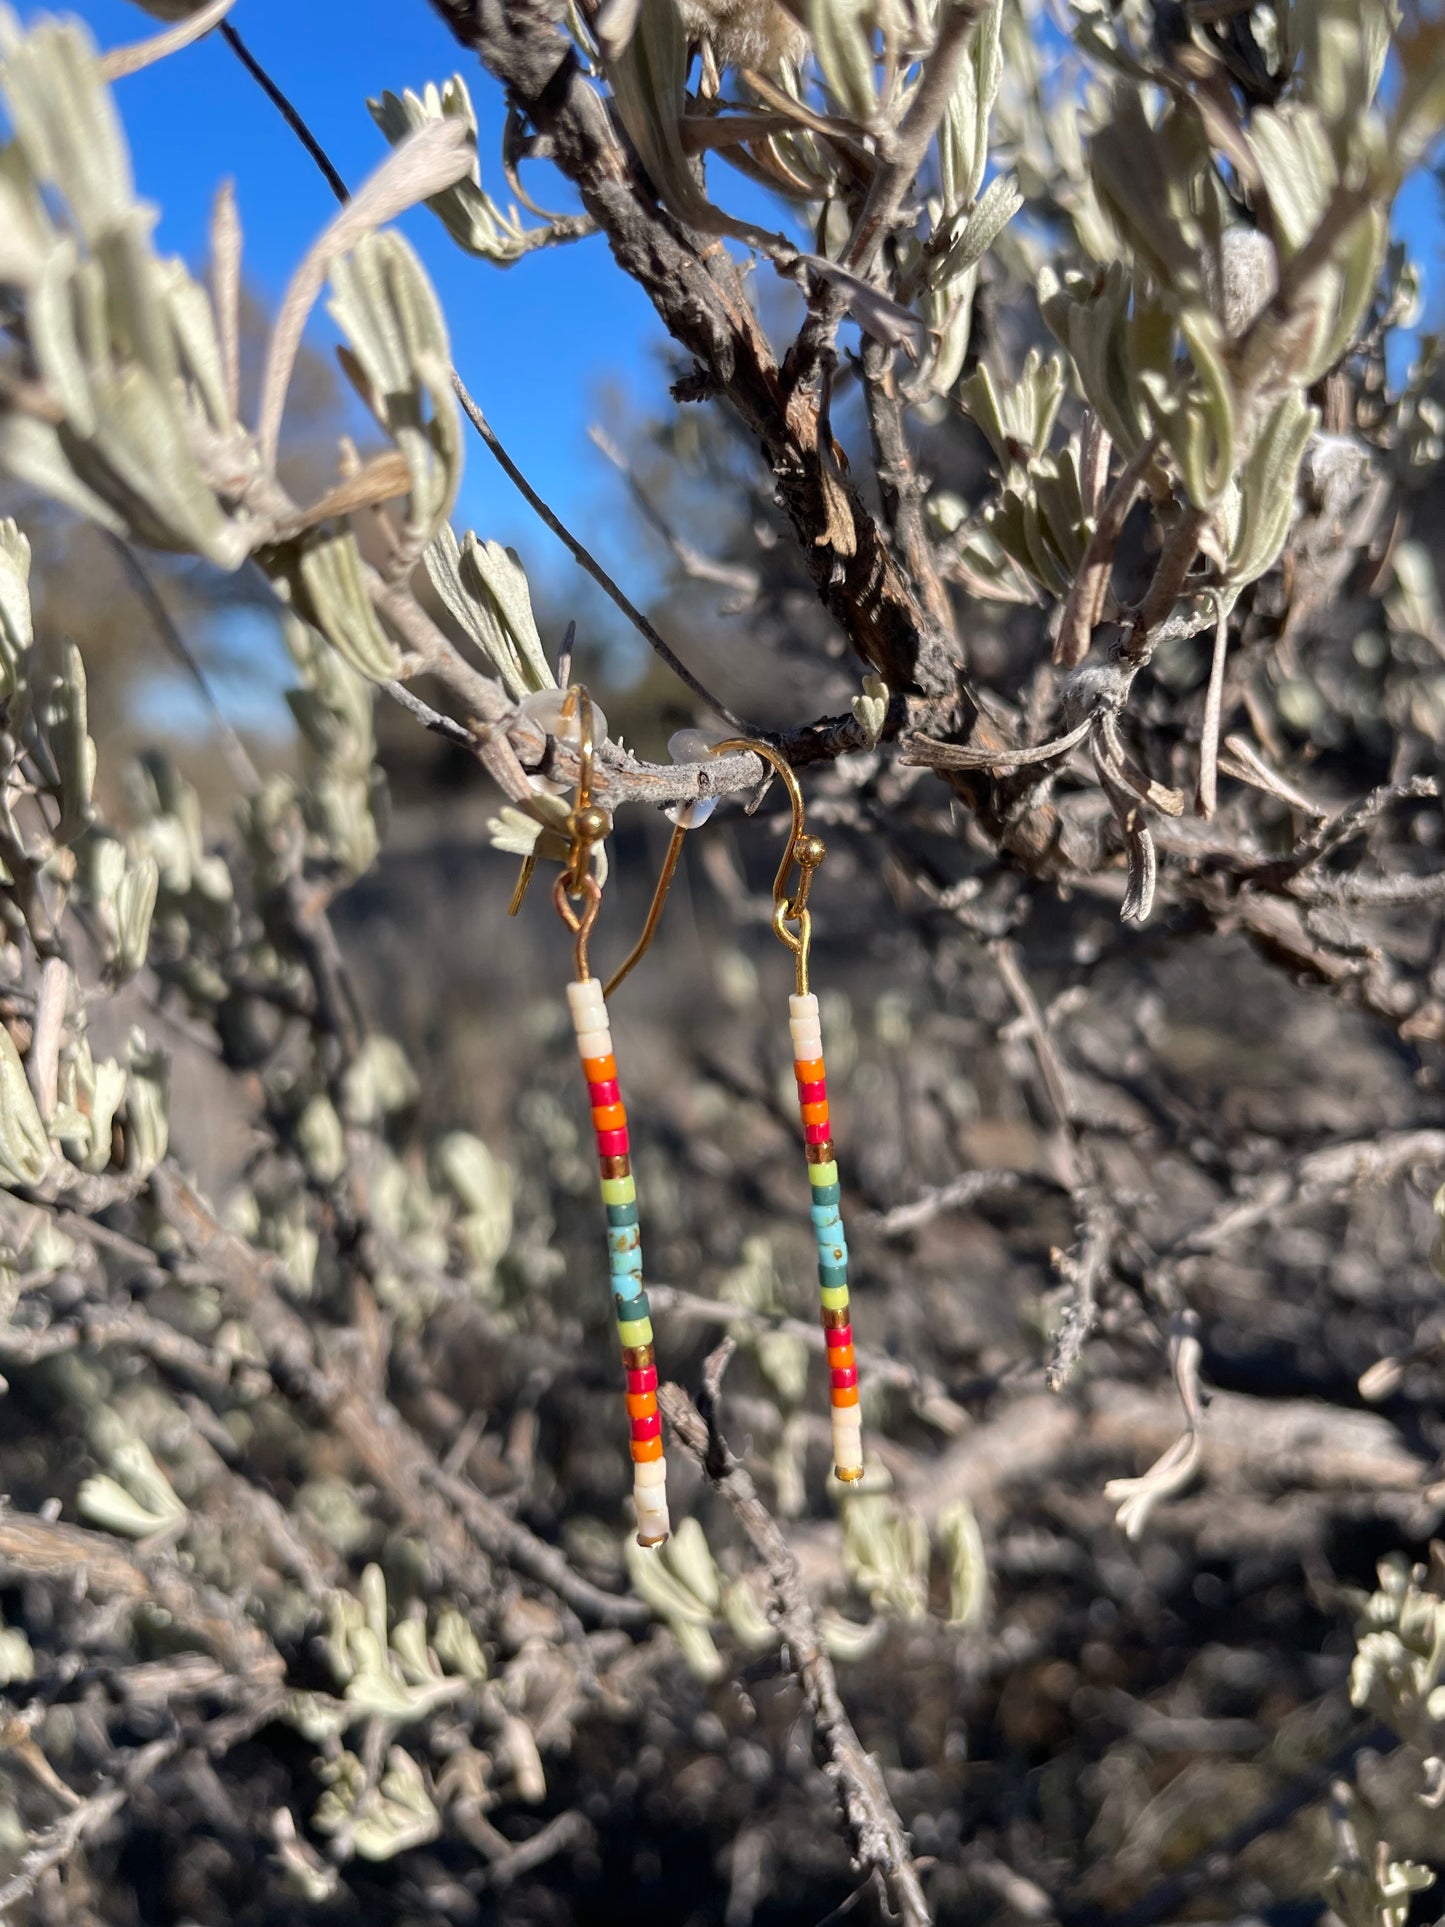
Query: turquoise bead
[826, 1215]
[832, 1249]
[626, 1264]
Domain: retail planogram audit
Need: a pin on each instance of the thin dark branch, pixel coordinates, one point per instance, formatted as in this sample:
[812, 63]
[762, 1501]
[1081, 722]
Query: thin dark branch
[875, 1831]
[284, 108]
[232, 748]
[586, 561]
[580, 554]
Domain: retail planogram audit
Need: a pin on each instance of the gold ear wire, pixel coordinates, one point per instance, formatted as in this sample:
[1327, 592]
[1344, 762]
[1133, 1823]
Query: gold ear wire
[524, 877]
[654, 911]
[587, 824]
[583, 801]
[803, 850]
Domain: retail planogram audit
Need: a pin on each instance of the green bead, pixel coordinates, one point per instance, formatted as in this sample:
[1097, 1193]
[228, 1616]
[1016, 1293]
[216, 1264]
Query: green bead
[834, 1297]
[820, 1175]
[638, 1331]
[619, 1190]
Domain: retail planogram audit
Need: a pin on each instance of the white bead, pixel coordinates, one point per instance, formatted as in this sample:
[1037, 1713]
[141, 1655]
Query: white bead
[807, 1046]
[586, 1001]
[652, 1519]
[650, 1472]
[847, 1421]
[806, 1006]
[594, 1043]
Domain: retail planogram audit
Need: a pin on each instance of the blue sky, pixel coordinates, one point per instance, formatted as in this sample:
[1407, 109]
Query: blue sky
[538, 344]
[197, 117]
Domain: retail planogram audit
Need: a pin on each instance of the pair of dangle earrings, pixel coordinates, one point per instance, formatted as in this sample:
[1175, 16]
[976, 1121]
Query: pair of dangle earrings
[577, 896]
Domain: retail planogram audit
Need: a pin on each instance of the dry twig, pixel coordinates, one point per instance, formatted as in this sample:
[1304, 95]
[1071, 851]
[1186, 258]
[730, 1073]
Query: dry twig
[875, 1832]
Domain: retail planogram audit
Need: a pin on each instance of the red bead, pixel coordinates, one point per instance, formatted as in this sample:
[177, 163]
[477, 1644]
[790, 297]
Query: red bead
[647, 1428]
[847, 1376]
[644, 1381]
[838, 1337]
[606, 1093]
[814, 1093]
[613, 1144]
[817, 1133]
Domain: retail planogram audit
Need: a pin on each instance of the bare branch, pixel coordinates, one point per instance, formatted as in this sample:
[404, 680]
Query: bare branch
[875, 1831]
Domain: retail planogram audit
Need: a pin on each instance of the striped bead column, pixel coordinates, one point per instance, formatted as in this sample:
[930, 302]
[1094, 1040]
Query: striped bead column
[624, 1246]
[828, 1229]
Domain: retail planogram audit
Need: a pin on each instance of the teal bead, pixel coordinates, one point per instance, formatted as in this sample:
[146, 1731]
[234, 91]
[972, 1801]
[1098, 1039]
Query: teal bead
[825, 1194]
[832, 1274]
[630, 1309]
[619, 1215]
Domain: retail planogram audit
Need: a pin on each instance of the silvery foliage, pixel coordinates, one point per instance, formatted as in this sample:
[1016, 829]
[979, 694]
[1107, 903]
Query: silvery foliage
[891, 1559]
[119, 401]
[159, 898]
[470, 215]
[121, 379]
[1400, 1656]
[98, 1114]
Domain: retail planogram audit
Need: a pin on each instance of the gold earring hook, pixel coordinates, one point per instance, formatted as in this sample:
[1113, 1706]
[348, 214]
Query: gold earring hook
[587, 825]
[802, 850]
[574, 699]
[654, 911]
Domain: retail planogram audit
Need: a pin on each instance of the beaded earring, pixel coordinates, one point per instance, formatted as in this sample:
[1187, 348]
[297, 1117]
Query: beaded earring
[578, 886]
[806, 853]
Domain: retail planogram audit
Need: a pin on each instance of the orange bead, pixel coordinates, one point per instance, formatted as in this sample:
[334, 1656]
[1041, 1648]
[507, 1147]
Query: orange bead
[841, 1359]
[609, 1117]
[808, 1070]
[641, 1404]
[645, 1449]
[816, 1113]
[845, 1395]
[598, 1070]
